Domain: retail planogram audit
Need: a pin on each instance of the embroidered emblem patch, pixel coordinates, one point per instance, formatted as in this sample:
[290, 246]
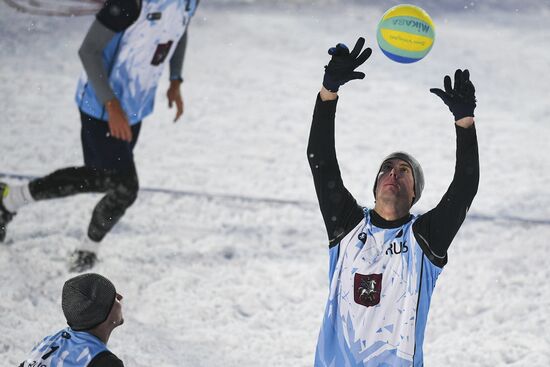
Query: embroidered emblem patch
[160, 54]
[367, 288]
[154, 16]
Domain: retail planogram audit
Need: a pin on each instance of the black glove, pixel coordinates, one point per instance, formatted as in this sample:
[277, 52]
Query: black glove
[341, 66]
[461, 99]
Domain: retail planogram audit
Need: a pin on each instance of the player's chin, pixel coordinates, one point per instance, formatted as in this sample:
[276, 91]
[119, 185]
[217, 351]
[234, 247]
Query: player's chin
[390, 190]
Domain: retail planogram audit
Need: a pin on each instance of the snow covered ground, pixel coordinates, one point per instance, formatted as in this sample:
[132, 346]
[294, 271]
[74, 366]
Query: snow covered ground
[214, 280]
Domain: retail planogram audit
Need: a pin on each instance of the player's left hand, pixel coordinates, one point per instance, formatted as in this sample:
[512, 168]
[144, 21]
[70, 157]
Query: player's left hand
[174, 96]
[460, 97]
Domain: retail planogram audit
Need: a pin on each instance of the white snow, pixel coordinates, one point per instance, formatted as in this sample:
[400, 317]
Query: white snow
[213, 280]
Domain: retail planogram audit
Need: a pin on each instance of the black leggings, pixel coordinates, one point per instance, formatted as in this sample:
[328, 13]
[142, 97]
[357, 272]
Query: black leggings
[108, 168]
[121, 191]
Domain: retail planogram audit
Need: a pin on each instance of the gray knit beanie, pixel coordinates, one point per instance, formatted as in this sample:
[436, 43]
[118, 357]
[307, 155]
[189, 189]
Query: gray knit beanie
[87, 300]
[418, 175]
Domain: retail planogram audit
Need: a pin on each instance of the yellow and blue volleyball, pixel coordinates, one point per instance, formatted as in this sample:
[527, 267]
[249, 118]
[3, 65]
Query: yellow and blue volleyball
[406, 33]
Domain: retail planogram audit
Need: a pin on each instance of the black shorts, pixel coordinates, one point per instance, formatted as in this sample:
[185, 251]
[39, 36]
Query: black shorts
[102, 151]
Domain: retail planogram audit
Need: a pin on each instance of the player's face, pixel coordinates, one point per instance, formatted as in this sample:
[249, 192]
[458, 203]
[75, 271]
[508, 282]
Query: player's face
[395, 181]
[115, 316]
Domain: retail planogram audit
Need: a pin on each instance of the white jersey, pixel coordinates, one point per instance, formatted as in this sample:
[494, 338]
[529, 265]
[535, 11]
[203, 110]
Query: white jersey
[380, 290]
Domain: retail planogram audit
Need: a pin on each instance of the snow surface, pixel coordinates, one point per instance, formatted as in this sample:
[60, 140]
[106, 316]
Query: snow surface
[214, 280]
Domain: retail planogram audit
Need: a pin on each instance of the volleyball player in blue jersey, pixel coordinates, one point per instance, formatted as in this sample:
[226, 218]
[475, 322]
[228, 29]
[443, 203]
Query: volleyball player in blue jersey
[384, 261]
[93, 309]
[123, 55]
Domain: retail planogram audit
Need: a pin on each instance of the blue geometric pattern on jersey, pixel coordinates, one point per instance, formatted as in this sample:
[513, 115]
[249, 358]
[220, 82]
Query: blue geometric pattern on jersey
[192, 7]
[429, 277]
[333, 258]
[66, 348]
[134, 59]
[391, 332]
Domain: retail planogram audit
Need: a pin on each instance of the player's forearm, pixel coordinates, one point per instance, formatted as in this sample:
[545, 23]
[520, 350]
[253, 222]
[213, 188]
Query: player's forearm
[321, 136]
[466, 177]
[176, 61]
[91, 55]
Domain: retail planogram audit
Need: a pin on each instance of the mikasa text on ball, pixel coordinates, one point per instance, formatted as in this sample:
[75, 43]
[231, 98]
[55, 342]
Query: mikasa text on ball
[406, 33]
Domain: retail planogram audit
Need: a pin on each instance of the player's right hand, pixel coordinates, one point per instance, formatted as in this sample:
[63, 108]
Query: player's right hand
[118, 122]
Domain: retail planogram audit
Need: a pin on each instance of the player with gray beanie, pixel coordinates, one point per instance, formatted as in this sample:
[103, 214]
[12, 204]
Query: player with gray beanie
[93, 310]
[87, 300]
[384, 260]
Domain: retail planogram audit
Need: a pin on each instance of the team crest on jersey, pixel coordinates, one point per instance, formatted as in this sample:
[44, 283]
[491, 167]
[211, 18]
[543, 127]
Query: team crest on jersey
[161, 52]
[154, 16]
[367, 288]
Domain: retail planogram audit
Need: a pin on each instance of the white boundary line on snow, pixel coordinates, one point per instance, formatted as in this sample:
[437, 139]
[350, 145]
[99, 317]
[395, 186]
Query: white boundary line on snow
[300, 203]
[55, 8]
[202, 194]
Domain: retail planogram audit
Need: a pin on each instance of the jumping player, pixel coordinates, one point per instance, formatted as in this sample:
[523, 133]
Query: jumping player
[384, 261]
[123, 55]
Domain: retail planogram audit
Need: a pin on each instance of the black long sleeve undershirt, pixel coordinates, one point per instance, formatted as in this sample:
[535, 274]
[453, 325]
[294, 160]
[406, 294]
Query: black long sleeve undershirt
[436, 229]
[339, 208]
[433, 230]
[105, 359]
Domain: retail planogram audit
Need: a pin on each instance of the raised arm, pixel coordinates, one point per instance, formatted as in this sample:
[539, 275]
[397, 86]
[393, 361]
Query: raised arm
[436, 229]
[339, 209]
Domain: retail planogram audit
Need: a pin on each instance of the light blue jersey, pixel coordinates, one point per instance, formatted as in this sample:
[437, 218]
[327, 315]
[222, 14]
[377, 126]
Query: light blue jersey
[381, 285]
[135, 57]
[66, 348]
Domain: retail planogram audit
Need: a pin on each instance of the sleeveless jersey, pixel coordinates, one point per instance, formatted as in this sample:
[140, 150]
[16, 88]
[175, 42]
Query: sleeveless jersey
[381, 285]
[134, 58]
[66, 348]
